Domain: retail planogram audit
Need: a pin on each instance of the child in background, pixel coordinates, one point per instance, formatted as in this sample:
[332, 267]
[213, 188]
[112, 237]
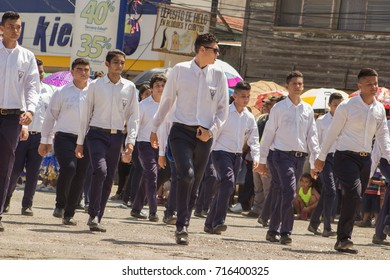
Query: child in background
[307, 197]
[371, 199]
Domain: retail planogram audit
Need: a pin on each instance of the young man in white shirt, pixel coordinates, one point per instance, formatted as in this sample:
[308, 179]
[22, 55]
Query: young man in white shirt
[110, 105]
[63, 118]
[240, 127]
[355, 123]
[26, 154]
[200, 94]
[328, 181]
[148, 155]
[291, 133]
[19, 88]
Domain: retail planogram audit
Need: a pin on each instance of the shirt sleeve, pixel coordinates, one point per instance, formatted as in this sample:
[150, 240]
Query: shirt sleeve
[312, 139]
[333, 131]
[268, 135]
[253, 140]
[162, 135]
[133, 119]
[32, 86]
[168, 98]
[382, 136]
[86, 113]
[51, 116]
[222, 112]
[320, 129]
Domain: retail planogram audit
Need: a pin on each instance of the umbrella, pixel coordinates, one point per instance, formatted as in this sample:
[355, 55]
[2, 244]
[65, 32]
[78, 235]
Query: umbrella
[259, 88]
[59, 79]
[318, 98]
[233, 77]
[144, 77]
[382, 95]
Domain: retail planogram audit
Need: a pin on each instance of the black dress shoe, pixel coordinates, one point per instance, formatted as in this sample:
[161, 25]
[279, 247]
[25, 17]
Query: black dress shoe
[378, 241]
[345, 246]
[69, 221]
[93, 221]
[208, 229]
[26, 211]
[285, 239]
[1, 226]
[262, 222]
[328, 233]
[386, 230]
[271, 237]
[58, 212]
[181, 236]
[153, 217]
[6, 208]
[314, 230]
[138, 214]
[98, 227]
[218, 229]
[170, 220]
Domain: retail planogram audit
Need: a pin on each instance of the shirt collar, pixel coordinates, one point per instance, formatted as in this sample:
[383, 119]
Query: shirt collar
[290, 104]
[108, 81]
[232, 108]
[2, 45]
[197, 69]
[374, 103]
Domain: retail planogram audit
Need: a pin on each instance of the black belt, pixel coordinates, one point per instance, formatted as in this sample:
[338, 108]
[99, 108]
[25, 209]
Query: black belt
[34, 132]
[106, 130]
[5, 112]
[66, 134]
[193, 128]
[361, 154]
[294, 153]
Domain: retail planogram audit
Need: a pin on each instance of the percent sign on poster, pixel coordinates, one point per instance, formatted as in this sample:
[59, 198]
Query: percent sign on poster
[95, 13]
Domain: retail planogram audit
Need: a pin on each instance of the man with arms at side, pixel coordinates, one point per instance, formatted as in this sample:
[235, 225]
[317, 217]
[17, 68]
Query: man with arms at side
[200, 93]
[19, 88]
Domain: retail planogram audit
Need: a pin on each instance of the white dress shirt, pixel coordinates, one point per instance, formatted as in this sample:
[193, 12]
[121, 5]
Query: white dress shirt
[377, 154]
[45, 95]
[64, 112]
[110, 106]
[354, 125]
[163, 134]
[20, 85]
[323, 124]
[147, 108]
[290, 128]
[238, 129]
[201, 97]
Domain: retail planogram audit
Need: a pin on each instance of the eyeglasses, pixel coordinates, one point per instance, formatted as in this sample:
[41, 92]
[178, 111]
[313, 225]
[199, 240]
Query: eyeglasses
[215, 50]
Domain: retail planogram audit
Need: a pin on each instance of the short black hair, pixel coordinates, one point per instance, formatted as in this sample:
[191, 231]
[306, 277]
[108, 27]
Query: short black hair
[80, 61]
[293, 74]
[242, 85]
[39, 62]
[205, 40]
[308, 176]
[142, 89]
[157, 78]
[9, 15]
[367, 72]
[335, 96]
[111, 54]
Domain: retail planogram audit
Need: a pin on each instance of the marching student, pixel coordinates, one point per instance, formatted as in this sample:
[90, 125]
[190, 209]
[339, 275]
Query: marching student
[148, 155]
[239, 128]
[290, 132]
[26, 154]
[110, 105]
[63, 118]
[19, 88]
[354, 125]
[200, 94]
[328, 181]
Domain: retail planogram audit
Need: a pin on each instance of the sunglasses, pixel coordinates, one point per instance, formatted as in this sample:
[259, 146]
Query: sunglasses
[215, 50]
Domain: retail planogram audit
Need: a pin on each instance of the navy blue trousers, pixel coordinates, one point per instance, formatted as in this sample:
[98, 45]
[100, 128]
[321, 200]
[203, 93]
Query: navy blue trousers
[384, 213]
[289, 171]
[170, 206]
[72, 173]
[226, 166]
[190, 155]
[104, 150]
[327, 199]
[26, 154]
[353, 174]
[9, 136]
[134, 179]
[148, 186]
[206, 188]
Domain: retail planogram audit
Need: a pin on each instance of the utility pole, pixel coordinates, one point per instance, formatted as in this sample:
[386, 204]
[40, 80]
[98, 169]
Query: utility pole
[213, 19]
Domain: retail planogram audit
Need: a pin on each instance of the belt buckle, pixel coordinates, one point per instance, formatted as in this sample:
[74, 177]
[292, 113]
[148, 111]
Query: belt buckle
[363, 154]
[298, 154]
[114, 131]
[3, 112]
